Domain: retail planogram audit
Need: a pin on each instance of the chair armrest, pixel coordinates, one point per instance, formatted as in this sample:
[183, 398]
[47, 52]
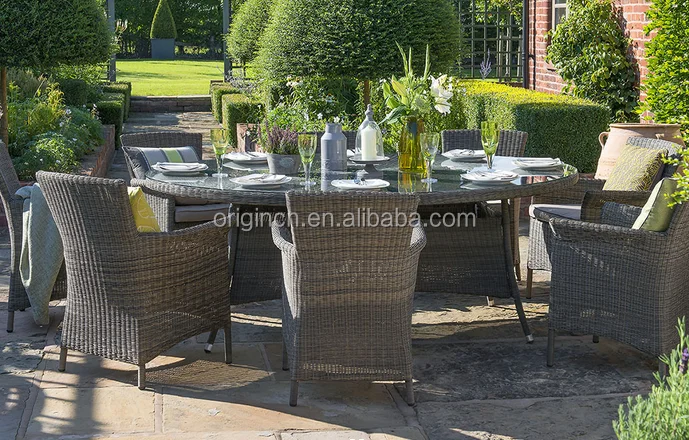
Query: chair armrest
[573, 195]
[577, 230]
[418, 239]
[594, 200]
[282, 237]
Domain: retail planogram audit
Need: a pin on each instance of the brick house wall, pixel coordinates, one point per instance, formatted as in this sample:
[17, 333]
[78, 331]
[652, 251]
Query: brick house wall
[542, 75]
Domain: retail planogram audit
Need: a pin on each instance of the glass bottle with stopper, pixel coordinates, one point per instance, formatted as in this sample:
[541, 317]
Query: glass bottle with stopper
[369, 138]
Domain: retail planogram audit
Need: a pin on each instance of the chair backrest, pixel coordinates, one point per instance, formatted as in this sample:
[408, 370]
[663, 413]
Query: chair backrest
[351, 226]
[93, 215]
[512, 143]
[9, 182]
[164, 139]
[461, 139]
[659, 144]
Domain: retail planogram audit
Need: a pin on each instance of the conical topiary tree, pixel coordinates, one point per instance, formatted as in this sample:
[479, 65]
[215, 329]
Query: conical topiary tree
[163, 25]
[46, 34]
[356, 38]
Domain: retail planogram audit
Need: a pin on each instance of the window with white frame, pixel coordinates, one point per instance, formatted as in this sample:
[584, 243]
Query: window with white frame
[559, 12]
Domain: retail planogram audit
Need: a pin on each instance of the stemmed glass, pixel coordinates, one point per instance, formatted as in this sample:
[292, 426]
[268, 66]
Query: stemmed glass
[307, 151]
[429, 148]
[220, 142]
[489, 139]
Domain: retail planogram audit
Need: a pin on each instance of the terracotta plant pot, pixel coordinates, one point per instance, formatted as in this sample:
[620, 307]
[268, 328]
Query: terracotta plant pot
[612, 141]
[284, 163]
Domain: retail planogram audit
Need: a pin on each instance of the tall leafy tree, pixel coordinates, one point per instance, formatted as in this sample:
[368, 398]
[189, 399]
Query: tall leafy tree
[357, 38]
[248, 25]
[45, 34]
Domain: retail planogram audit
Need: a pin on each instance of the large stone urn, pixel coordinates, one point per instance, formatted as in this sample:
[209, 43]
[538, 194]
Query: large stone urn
[612, 141]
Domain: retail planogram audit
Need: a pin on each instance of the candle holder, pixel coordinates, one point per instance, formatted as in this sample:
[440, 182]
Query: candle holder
[369, 138]
[369, 171]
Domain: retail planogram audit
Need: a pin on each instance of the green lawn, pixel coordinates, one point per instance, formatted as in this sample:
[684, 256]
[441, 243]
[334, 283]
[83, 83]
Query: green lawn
[168, 78]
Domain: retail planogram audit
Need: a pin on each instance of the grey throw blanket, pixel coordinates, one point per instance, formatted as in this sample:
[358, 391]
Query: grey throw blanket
[42, 252]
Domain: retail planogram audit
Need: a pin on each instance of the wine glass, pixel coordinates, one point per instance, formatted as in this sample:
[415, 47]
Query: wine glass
[429, 148]
[489, 139]
[307, 151]
[220, 142]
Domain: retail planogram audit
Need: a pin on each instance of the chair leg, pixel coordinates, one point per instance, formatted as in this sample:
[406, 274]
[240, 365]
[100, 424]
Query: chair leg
[285, 358]
[211, 341]
[596, 339]
[409, 385]
[522, 320]
[293, 393]
[529, 282]
[491, 301]
[551, 348]
[228, 344]
[10, 322]
[142, 376]
[63, 359]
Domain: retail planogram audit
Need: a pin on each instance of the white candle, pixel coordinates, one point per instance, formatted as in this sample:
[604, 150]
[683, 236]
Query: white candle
[369, 150]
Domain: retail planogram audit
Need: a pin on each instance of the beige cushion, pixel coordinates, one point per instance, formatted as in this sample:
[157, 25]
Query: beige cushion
[656, 214]
[572, 212]
[199, 213]
[636, 169]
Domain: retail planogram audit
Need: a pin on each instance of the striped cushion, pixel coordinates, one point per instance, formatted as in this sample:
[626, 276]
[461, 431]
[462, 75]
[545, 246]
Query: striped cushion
[141, 159]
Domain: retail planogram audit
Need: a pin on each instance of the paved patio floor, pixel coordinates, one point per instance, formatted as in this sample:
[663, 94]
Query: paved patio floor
[475, 378]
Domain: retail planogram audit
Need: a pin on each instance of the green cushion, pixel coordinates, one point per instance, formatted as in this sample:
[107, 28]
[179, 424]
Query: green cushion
[635, 169]
[656, 214]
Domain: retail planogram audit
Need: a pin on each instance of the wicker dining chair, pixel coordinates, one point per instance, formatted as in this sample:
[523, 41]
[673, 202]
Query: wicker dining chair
[162, 139]
[348, 291]
[14, 206]
[573, 204]
[131, 296]
[613, 281]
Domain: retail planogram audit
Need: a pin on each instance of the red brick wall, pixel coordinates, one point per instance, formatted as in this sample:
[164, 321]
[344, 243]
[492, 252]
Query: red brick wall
[542, 75]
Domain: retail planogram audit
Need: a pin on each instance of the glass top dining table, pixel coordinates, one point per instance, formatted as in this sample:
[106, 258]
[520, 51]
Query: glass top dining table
[451, 187]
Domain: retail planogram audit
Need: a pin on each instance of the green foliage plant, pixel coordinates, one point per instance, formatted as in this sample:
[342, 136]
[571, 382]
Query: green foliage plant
[110, 111]
[248, 25]
[163, 25]
[664, 413]
[239, 108]
[667, 84]
[49, 152]
[122, 87]
[217, 92]
[356, 38]
[591, 53]
[76, 91]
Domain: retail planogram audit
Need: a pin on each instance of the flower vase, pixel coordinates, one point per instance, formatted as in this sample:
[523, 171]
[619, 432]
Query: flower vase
[410, 156]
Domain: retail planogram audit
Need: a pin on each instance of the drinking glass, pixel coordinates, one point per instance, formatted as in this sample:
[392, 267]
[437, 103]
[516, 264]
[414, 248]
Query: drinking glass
[489, 139]
[220, 141]
[307, 151]
[429, 148]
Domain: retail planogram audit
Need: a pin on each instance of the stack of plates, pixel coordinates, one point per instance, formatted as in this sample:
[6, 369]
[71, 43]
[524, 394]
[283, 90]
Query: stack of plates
[465, 155]
[537, 163]
[247, 157]
[490, 177]
[261, 181]
[180, 169]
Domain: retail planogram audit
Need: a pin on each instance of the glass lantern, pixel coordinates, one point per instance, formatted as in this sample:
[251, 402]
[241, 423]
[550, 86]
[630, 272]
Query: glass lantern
[369, 139]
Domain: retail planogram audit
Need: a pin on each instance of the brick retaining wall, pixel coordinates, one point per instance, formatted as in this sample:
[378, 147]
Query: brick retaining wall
[172, 104]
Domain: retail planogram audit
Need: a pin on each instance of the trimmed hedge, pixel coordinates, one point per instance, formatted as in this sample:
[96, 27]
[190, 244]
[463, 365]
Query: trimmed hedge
[558, 125]
[75, 91]
[124, 88]
[111, 112]
[237, 108]
[217, 92]
[163, 25]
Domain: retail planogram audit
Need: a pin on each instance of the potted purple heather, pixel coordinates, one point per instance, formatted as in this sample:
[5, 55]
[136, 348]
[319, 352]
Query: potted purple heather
[282, 148]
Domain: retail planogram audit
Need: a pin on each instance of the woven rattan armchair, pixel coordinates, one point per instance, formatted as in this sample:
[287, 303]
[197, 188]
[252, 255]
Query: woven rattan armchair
[131, 296]
[162, 139]
[583, 202]
[348, 293]
[13, 206]
[612, 281]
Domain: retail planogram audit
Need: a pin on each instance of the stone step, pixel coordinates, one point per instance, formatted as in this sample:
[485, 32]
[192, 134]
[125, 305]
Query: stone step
[157, 104]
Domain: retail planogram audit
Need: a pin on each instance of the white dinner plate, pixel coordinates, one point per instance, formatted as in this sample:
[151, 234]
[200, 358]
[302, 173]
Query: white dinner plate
[490, 177]
[179, 169]
[465, 155]
[537, 163]
[364, 184]
[261, 180]
[250, 157]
